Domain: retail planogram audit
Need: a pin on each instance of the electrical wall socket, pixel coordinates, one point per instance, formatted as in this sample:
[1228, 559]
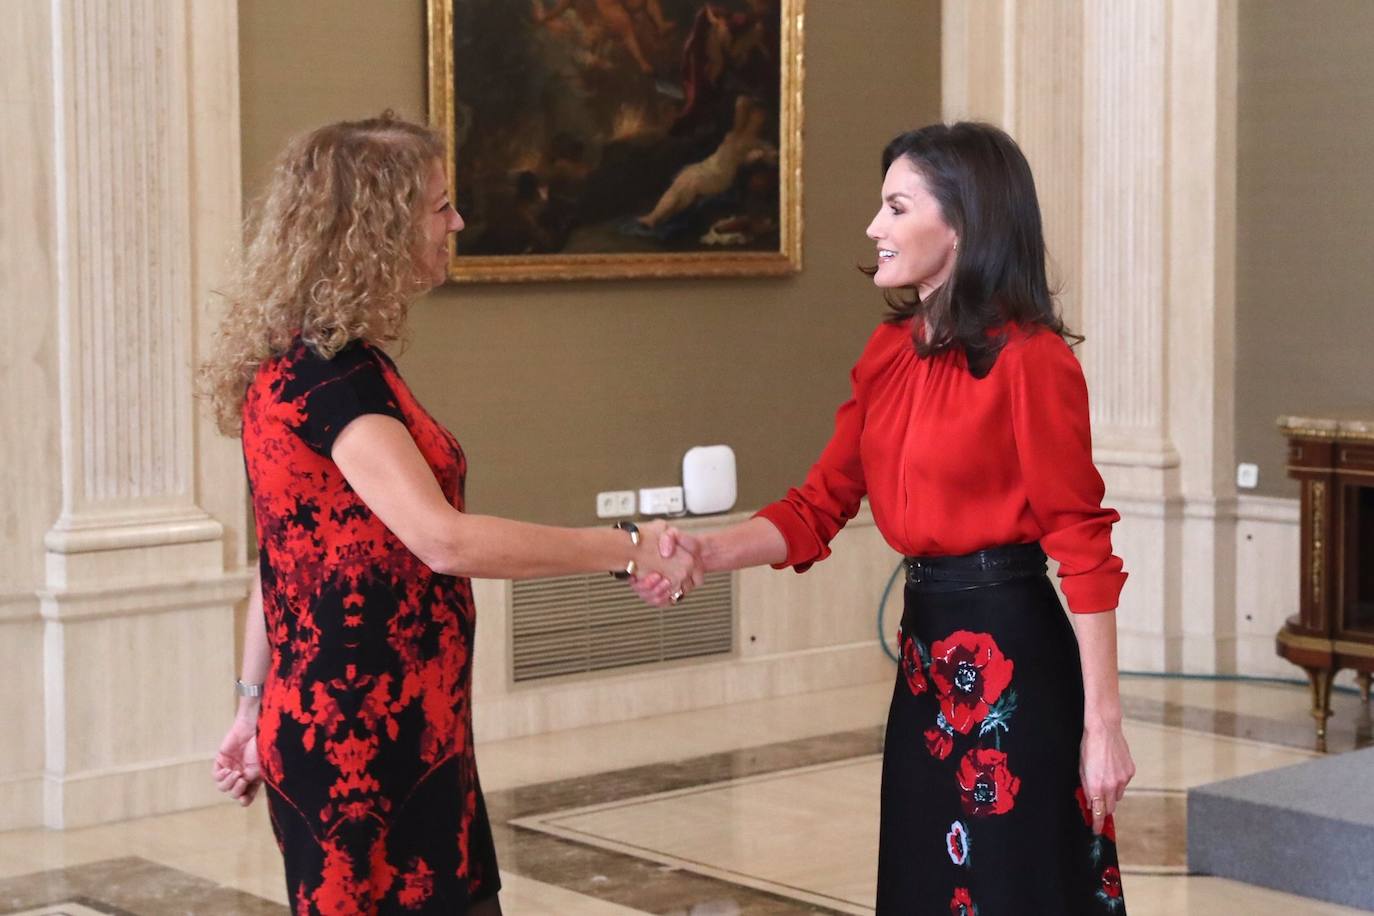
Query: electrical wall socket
[615, 504]
[1247, 475]
[661, 501]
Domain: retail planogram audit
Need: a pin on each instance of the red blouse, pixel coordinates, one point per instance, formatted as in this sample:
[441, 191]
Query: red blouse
[952, 464]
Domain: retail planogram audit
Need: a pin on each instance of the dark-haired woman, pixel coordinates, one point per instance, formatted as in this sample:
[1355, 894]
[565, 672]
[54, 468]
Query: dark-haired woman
[968, 431]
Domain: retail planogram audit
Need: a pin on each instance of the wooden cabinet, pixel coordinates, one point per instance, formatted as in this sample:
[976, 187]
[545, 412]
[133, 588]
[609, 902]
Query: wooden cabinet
[1332, 456]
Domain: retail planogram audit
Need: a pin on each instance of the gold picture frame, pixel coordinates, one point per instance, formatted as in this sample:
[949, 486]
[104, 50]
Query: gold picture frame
[545, 202]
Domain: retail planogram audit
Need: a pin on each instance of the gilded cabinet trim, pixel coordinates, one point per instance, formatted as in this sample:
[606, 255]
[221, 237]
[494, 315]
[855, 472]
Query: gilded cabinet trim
[1317, 494]
[1340, 426]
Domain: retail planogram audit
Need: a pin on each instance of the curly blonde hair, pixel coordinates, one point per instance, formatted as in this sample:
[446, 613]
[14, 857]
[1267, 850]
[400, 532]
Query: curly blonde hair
[332, 252]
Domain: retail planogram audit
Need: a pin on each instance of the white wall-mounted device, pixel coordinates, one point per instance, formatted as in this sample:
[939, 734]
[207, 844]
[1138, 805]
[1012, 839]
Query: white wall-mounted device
[708, 479]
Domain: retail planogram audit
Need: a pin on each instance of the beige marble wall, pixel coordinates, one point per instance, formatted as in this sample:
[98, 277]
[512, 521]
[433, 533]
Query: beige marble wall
[1267, 581]
[1127, 112]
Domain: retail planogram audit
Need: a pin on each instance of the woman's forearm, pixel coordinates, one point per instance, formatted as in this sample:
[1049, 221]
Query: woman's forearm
[1101, 686]
[256, 653]
[382, 464]
[490, 547]
[753, 543]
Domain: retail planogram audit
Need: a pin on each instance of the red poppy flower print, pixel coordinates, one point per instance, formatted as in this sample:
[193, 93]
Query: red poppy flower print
[969, 673]
[939, 738]
[987, 785]
[961, 904]
[911, 664]
[957, 842]
[1108, 825]
[1111, 882]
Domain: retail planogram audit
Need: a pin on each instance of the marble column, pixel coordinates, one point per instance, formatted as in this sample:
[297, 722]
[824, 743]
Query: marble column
[1126, 111]
[122, 609]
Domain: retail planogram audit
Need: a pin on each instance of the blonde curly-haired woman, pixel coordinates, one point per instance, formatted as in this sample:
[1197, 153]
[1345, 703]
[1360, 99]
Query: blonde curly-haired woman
[355, 704]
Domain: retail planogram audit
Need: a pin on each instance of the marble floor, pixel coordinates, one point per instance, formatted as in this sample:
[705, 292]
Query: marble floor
[706, 813]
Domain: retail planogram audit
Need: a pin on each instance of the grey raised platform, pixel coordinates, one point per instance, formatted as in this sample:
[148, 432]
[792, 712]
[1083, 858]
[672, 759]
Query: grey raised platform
[1306, 829]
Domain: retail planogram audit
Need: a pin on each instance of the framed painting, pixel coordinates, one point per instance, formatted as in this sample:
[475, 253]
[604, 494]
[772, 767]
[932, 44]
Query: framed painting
[620, 138]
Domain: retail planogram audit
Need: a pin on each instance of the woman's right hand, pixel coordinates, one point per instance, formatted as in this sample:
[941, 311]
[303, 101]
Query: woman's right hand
[653, 587]
[671, 570]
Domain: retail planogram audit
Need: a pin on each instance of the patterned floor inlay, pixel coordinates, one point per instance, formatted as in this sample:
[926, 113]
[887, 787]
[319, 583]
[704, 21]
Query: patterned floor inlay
[773, 843]
[776, 818]
[782, 828]
[636, 878]
[66, 908]
[584, 834]
[126, 887]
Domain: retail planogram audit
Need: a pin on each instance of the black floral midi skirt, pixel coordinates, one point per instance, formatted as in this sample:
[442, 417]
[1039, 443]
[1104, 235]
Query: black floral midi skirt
[982, 809]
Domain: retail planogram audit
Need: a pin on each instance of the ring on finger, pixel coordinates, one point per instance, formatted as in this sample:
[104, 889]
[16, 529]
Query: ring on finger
[676, 596]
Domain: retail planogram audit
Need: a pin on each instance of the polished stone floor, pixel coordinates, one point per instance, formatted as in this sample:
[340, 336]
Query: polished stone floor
[706, 813]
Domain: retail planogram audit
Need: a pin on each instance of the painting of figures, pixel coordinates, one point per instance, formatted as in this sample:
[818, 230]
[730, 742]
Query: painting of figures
[620, 138]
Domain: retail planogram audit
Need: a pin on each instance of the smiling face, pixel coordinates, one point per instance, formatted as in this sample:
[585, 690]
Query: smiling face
[437, 223]
[915, 245]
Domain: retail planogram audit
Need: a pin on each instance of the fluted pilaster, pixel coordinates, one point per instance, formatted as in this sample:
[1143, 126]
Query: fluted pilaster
[1124, 64]
[124, 295]
[1033, 89]
[1126, 113]
[143, 563]
[1048, 119]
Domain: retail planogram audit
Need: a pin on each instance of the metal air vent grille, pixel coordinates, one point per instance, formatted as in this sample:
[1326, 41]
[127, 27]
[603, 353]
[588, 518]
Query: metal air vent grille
[578, 624]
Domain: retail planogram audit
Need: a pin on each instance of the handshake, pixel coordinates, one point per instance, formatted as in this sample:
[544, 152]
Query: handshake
[672, 565]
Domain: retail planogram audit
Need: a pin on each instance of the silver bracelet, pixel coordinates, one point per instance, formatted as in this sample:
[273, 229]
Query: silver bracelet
[247, 690]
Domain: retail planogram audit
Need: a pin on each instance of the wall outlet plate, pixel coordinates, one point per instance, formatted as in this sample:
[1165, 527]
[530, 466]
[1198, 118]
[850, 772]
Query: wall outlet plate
[1247, 475]
[615, 504]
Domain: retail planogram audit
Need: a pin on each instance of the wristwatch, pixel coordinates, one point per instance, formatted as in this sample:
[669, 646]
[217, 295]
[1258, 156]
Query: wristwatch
[247, 690]
[631, 567]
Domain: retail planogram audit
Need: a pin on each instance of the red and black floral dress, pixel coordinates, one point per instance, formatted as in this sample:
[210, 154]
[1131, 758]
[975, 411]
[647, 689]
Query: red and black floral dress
[981, 813]
[365, 732]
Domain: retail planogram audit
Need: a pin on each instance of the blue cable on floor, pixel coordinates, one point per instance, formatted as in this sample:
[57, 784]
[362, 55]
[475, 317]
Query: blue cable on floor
[1171, 675]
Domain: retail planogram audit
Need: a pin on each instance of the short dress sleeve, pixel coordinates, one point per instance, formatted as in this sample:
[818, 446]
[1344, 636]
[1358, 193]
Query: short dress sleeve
[331, 393]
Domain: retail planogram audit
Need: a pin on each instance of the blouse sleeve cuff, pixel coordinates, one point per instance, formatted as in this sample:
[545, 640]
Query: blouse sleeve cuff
[803, 549]
[1093, 593]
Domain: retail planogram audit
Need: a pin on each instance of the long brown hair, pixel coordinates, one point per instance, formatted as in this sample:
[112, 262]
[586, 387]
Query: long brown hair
[983, 185]
[331, 255]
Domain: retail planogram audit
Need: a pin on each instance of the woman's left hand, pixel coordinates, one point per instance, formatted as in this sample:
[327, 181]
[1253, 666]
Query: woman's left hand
[236, 770]
[1105, 767]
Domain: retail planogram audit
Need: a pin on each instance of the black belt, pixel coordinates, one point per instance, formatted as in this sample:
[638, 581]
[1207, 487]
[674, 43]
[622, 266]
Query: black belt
[974, 570]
